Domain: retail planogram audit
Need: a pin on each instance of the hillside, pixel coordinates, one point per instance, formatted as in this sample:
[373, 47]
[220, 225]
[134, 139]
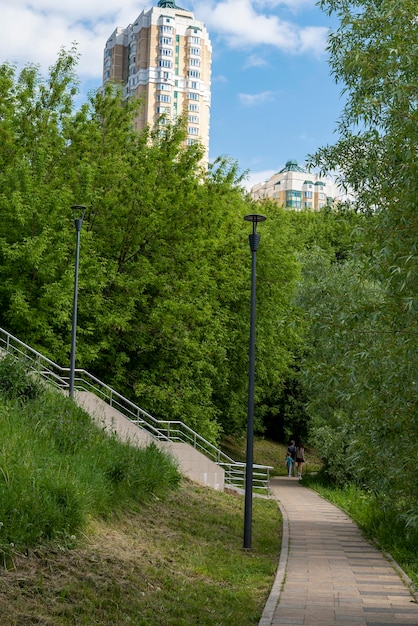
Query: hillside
[93, 531]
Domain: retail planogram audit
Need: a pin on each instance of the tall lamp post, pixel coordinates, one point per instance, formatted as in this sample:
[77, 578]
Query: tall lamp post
[78, 215]
[254, 239]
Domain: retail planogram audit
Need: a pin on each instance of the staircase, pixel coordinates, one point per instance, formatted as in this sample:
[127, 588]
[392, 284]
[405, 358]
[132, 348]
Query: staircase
[198, 459]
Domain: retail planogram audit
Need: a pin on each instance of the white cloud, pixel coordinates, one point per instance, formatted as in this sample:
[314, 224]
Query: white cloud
[220, 78]
[254, 99]
[238, 22]
[255, 61]
[313, 38]
[35, 33]
[257, 177]
[293, 5]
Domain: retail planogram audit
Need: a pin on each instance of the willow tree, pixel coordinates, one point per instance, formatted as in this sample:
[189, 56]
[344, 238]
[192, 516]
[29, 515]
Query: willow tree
[373, 56]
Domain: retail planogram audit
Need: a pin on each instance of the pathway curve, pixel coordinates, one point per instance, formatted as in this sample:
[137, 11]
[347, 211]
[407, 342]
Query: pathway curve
[328, 574]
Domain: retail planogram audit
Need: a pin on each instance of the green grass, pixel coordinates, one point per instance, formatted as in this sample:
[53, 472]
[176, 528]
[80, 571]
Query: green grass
[380, 525]
[58, 468]
[174, 562]
[94, 531]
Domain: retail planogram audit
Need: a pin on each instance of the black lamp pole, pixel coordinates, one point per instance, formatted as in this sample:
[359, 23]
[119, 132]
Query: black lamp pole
[78, 214]
[254, 240]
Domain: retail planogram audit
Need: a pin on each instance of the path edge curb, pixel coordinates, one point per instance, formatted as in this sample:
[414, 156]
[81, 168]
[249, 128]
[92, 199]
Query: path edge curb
[274, 597]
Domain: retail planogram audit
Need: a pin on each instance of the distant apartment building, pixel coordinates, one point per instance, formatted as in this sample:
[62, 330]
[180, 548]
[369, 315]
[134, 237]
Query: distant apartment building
[295, 188]
[164, 59]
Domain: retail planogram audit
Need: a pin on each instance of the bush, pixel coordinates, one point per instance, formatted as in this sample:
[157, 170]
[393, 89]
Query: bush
[16, 382]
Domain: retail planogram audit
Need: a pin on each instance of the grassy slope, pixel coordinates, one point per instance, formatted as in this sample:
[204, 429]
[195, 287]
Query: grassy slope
[174, 562]
[145, 550]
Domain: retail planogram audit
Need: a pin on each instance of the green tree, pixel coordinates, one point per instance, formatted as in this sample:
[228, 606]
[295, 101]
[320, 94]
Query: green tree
[164, 267]
[372, 53]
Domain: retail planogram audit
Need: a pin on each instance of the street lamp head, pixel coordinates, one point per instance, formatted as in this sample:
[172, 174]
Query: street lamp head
[78, 211]
[78, 215]
[255, 217]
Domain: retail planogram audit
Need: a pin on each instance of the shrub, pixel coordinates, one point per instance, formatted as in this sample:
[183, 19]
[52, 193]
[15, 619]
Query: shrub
[16, 382]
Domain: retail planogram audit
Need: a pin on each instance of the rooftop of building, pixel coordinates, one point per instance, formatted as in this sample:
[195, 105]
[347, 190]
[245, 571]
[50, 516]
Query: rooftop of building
[169, 4]
[292, 166]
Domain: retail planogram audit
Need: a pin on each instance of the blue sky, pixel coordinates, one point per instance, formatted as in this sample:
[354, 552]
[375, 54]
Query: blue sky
[273, 98]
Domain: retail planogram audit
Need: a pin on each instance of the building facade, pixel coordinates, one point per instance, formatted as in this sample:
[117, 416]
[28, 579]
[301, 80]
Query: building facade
[295, 188]
[164, 60]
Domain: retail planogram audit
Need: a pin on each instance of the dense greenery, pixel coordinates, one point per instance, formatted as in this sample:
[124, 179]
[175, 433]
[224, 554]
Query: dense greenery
[165, 264]
[164, 267]
[164, 281]
[361, 367]
[58, 469]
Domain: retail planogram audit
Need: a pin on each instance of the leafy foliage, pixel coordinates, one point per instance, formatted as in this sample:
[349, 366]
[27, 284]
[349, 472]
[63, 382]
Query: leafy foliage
[16, 382]
[364, 361]
[164, 280]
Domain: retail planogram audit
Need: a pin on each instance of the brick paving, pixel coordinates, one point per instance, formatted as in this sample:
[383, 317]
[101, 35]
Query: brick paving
[328, 574]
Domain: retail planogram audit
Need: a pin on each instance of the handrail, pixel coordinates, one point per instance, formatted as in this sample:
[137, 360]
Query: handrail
[166, 430]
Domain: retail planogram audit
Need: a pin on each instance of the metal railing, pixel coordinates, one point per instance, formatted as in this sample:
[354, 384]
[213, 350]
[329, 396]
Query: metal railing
[165, 430]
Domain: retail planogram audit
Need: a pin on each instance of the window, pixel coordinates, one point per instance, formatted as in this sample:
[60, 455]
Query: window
[195, 52]
[322, 196]
[307, 205]
[193, 96]
[307, 194]
[162, 97]
[190, 141]
[294, 199]
[193, 84]
[162, 110]
[165, 75]
[193, 107]
[196, 40]
[168, 41]
[194, 73]
[166, 52]
[193, 130]
[166, 29]
[194, 119]
[165, 63]
[195, 62]
[164, 87]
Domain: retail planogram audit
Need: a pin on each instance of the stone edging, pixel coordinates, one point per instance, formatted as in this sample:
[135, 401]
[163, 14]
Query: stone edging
[273, 599]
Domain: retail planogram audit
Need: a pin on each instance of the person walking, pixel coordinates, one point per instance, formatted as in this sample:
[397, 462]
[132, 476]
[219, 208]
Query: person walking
[300, 458]
[292, 451]
[289, 464]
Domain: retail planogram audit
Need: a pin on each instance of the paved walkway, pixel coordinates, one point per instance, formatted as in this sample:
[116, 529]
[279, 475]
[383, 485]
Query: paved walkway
[328, 574]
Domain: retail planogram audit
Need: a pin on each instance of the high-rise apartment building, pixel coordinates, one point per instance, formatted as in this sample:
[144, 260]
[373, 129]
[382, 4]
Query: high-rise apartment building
[164, 59]
[294, 188]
